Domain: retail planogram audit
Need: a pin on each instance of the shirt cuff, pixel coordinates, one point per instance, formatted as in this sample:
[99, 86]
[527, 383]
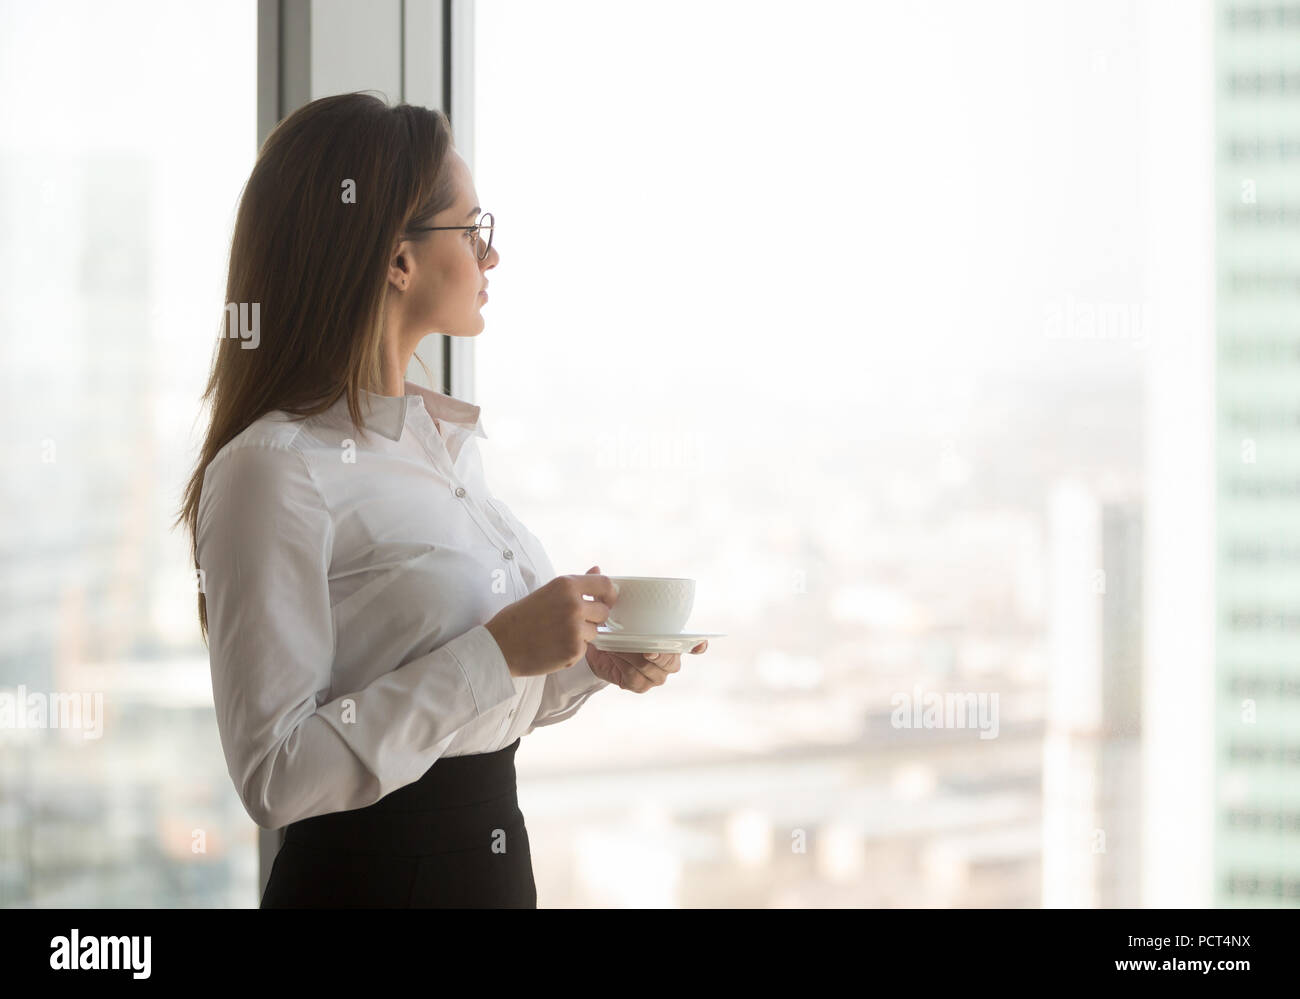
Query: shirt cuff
[485, 667]
[578, 678]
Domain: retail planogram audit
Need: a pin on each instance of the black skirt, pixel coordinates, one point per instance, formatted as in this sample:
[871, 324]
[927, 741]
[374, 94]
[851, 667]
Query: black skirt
[453, 839]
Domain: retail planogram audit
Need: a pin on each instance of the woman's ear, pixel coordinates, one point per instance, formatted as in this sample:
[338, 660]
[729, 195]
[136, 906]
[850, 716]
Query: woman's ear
[399, 269]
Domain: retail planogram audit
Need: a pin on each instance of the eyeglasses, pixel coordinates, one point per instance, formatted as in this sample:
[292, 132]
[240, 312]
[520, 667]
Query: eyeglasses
[485, 221]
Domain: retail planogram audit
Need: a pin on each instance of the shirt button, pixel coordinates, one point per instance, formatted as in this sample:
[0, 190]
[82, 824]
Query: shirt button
[460, 490]
[508, 553]
[512, 713]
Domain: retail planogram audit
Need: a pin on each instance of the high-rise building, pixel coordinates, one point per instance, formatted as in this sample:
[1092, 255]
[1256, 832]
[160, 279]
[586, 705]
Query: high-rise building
[1257, 453]
[1091, 746]
[1221, 699]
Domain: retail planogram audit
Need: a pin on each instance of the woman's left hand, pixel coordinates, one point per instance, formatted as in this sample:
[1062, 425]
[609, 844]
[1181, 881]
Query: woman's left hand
[637, 671]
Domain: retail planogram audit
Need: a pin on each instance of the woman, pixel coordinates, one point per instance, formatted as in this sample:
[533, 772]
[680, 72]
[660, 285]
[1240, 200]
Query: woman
[382, 630]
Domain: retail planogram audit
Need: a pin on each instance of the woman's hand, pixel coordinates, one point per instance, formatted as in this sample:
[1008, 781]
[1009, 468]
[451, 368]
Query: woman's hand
[636, 671]
[549, 629]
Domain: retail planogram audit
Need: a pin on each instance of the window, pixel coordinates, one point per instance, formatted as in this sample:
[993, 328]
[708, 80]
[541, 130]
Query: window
[128, 131]
[802, 304]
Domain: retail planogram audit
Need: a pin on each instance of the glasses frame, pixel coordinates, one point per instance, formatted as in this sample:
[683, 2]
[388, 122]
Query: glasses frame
[479, 226]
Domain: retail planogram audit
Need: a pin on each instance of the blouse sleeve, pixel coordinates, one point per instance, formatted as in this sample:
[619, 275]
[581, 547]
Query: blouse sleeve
[566, 690]
[264, 547]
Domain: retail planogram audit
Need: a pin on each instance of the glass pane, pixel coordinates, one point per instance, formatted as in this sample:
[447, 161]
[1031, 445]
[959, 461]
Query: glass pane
[127, 131]
[888, 412]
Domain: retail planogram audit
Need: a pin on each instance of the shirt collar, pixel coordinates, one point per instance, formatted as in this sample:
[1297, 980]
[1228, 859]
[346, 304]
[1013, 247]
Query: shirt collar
[388, 414]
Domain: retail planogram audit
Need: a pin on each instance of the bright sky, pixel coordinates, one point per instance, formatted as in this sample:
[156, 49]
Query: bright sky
[847, 204]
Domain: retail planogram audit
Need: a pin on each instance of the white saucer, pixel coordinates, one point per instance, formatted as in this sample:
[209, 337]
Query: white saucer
[679, 641]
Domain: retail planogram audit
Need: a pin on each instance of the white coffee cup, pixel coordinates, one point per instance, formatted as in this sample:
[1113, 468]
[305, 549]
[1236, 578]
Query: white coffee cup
[651, 605]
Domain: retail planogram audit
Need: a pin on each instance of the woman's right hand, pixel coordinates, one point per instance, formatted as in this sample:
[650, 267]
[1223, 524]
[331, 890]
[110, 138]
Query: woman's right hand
[549, 629]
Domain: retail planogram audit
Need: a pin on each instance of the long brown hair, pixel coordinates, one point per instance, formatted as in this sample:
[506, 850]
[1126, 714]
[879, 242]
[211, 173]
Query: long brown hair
[310, 264]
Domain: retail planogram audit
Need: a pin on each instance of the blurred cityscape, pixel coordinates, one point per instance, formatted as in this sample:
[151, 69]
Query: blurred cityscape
[771, 771]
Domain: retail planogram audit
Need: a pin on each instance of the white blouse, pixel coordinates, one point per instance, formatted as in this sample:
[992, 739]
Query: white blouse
[347, 581]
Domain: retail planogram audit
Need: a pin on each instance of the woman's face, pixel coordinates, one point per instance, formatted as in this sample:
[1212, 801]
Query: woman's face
[443, 276]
